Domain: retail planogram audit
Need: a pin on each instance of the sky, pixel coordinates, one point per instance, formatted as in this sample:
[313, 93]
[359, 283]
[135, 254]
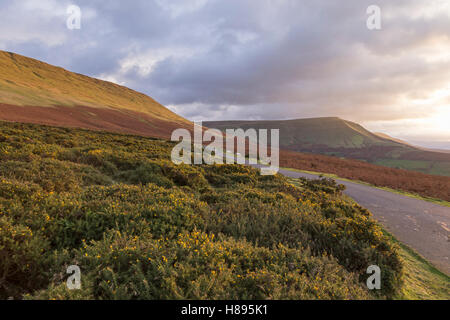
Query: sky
[257, 59]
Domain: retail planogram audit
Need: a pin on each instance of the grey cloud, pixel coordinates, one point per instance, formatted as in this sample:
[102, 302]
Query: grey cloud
[258, 59]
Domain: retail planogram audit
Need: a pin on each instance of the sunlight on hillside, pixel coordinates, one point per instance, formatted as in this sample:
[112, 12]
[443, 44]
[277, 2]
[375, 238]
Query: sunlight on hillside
[29, 82]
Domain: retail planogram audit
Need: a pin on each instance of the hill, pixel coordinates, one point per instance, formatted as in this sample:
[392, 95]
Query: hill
[34, 91]
[337, 137]
[328, 132]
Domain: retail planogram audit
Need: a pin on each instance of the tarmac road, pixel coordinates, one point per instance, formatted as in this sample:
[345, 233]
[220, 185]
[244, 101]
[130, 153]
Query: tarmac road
[422, 225]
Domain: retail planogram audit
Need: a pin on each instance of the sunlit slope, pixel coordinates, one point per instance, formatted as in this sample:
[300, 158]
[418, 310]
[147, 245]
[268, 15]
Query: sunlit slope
[29, 82]
[385, 136]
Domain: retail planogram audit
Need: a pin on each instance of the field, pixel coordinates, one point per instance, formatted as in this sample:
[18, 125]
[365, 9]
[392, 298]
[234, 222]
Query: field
[140, 227]
[431, 167]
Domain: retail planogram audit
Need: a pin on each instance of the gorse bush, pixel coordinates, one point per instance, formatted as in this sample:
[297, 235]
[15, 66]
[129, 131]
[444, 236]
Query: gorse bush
[141, 227]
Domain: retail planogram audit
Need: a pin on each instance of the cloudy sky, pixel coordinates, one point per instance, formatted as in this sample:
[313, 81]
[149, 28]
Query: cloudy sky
[257, 59]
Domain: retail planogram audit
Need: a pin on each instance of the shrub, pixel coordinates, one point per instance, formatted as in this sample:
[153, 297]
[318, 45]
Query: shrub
[21, 264]
[197, 266]
[141, 227]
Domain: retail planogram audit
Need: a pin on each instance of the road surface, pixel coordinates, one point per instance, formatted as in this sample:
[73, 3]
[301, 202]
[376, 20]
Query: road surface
[422, 225]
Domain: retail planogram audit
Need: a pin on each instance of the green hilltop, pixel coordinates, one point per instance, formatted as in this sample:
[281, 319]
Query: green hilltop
[337, 137]
[331, 132]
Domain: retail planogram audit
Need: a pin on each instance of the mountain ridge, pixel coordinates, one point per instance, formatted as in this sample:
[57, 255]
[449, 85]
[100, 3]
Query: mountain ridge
[346, 139]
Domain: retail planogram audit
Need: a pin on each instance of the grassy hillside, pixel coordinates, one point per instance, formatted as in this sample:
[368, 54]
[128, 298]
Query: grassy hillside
[422, 281]
[140, 227]
[34, 91]
[341, 138]
[29, 82]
